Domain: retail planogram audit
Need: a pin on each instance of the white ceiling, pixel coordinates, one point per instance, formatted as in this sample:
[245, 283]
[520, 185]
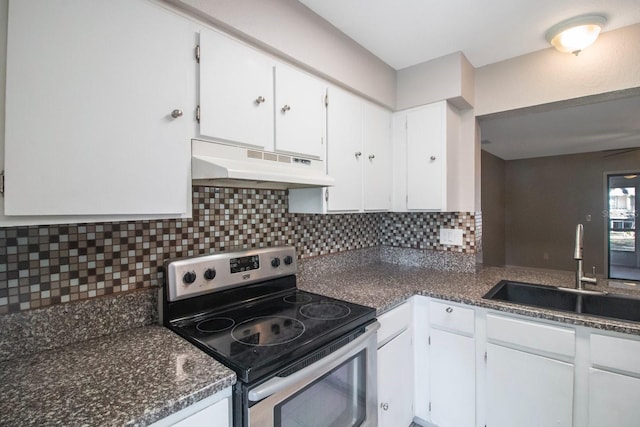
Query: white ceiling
[408, 32]
[608, 125]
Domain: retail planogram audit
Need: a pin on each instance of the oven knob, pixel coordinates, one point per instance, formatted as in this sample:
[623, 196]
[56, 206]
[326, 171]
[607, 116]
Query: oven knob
[288, 260]
[210, 273]
[189, 277]
[275, 262]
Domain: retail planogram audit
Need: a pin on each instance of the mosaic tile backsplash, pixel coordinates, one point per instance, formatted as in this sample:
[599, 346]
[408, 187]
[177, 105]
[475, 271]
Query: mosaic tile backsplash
[46, 265]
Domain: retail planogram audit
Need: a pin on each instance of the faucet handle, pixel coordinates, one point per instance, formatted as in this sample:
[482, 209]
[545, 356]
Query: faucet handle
[593, 270]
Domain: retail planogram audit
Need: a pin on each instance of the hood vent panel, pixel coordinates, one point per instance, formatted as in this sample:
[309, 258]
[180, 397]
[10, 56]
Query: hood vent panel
[230, 166]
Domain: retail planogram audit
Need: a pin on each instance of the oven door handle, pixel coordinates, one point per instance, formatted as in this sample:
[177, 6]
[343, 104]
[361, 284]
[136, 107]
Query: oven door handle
[276, 384]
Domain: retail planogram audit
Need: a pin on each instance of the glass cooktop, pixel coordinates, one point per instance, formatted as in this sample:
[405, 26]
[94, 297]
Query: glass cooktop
[264, 335]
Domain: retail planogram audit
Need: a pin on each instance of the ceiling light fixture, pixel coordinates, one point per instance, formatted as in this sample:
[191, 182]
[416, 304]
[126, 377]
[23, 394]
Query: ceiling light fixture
[575, 34]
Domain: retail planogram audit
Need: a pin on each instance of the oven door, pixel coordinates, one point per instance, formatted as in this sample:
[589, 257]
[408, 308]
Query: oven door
[338, 390]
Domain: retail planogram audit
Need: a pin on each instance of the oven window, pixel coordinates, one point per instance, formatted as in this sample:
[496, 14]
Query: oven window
[338, 399]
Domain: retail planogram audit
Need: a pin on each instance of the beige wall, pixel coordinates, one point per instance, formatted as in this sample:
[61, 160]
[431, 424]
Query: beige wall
[611, 64]
[291, 30]
[493, 210]
[544, 200]
[450, 78]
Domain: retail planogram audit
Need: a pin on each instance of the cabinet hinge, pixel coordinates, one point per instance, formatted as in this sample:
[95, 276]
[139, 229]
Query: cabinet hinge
[429, 340]
[198, 113]
[429, 406]
[2, 183]
[485, 357]
[197, 53]
[326, 100]
[326, 195]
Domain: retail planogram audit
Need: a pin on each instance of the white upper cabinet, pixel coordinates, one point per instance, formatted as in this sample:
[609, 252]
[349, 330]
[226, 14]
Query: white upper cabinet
[426, 158]
[344, 155]
[236, 92]
[249, 98]
[91, 87]
[299, 112]
[359, 159]
[377, 158]
[425, 140]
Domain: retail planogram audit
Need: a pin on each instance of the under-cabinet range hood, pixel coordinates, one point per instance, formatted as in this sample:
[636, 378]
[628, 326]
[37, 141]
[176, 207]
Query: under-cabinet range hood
[230, 166]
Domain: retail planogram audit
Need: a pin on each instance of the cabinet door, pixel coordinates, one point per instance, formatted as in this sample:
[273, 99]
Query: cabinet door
[613, 399]
[344, 153]
[524, 389]
[300, 113]
[395, 385]
[216, 415]
[378, 161]
[236, 92]
[91, 86]
[426, 157]
[453, 382]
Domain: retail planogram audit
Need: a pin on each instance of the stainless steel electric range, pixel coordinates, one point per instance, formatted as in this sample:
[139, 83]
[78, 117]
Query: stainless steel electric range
[301, 359]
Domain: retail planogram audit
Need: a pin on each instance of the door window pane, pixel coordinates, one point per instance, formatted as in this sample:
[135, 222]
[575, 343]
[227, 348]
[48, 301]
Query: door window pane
[624, 259]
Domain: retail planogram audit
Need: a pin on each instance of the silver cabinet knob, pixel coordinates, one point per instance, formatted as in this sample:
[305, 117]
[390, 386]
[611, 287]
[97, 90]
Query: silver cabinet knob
[433, 157]
[449, 310]
[285, 108]
[384, 406]
[260, 100]
[176, 113]
[358, 154]
[372, 156]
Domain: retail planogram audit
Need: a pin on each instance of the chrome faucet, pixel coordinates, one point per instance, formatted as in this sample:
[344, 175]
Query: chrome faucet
[577, 255]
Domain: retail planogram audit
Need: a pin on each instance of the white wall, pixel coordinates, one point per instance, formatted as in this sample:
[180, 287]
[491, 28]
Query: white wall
[611, 64]
[291, 30]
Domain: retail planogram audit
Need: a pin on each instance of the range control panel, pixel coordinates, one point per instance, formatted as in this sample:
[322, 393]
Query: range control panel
[190, 277]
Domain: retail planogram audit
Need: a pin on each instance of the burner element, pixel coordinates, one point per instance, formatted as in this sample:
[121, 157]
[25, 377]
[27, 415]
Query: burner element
[215, 324]
[325, 311]
[267, 331]
[297, 299]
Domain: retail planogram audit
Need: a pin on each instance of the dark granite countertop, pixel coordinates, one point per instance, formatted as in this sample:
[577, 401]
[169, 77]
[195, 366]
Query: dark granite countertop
[384, 286]
[138, 376]
[131, 378]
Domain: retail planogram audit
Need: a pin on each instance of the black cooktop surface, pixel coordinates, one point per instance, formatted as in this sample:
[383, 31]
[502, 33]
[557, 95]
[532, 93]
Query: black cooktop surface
[263, 336]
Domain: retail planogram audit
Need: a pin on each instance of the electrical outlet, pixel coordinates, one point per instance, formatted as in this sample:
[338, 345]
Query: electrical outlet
[451, 236]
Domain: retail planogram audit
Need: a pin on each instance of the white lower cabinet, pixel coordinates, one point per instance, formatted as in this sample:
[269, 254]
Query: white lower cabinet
[525, 389]
[395, 367]
[214, 411]
[614, 381]
[613, 399]
[451, 365]
[452, 371]
[395, 393]
[452, 375]
[529, 373]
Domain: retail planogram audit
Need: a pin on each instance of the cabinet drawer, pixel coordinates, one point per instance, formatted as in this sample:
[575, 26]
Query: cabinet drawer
[615, 353]
[393, 322]
[452, 317]
[531, 335]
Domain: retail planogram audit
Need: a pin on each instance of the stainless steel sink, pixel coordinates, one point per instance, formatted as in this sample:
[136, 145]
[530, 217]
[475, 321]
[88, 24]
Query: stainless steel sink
[621, 307]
